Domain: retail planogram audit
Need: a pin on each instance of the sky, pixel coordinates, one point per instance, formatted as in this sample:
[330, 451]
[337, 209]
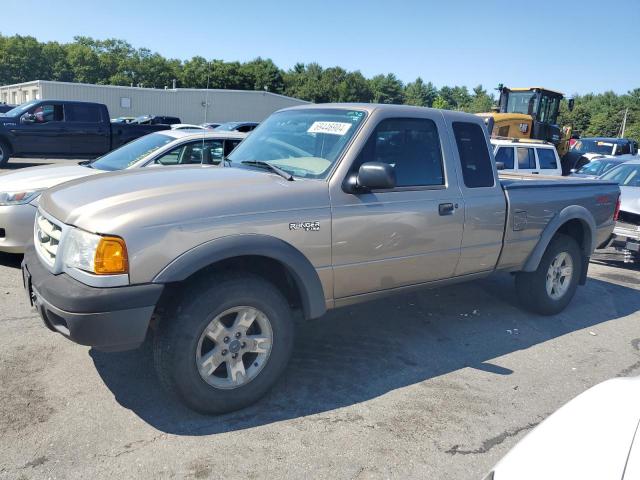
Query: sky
[567, 45]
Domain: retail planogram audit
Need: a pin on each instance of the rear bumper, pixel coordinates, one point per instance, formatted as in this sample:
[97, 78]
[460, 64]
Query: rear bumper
[106, 318]
[16, 221]
[627, 237]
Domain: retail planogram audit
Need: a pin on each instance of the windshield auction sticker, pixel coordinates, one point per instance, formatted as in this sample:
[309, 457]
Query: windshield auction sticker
[332, 128]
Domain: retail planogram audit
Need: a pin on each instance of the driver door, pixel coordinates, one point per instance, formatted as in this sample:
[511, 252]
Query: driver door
[407, 235]
[45, 132]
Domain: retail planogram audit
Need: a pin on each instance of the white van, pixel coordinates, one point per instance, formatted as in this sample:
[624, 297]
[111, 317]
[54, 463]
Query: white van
[527, 156]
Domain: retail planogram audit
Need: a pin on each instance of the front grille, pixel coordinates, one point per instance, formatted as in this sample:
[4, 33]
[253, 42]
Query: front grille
[47, 238]
[629, 218]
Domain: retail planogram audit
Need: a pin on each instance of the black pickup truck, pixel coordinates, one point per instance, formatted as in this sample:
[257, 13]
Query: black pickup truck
[64, 129]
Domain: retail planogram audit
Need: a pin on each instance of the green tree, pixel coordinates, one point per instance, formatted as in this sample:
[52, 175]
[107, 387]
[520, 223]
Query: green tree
[387, 89]
[420, 94]
[481, 101]
[194, 73]
[262, 74]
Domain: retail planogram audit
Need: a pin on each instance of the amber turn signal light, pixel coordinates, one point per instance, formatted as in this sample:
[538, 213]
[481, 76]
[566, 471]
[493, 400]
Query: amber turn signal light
[111, 257]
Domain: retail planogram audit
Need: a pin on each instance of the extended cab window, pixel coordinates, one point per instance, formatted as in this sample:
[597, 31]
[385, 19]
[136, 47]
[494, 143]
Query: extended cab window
[623, 149]
[477, 170]
[526, 158]
[505, 155]
[547, 158]
[48, 113]
[82, 113]
[411, 146]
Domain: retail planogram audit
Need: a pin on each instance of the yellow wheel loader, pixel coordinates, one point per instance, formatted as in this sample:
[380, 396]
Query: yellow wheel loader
[529, 113]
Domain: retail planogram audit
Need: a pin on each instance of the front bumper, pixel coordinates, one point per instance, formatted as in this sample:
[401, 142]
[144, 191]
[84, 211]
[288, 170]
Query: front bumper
[110, 319]
[17, 223]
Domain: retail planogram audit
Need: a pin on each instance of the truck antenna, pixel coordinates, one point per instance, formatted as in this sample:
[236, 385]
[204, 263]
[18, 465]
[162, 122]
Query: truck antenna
[206, 107]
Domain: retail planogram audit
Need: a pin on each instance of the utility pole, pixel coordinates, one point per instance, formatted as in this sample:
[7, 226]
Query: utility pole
[624, 122]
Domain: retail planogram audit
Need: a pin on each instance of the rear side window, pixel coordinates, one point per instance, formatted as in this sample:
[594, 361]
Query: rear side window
[477, 170]
[526, 159]
[82, 113]
[411, 146]
[547, 158]
[623, 149]
[505, 155]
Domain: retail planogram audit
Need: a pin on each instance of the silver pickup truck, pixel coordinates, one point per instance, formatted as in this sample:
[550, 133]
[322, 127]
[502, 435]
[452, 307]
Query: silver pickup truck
[322, 206]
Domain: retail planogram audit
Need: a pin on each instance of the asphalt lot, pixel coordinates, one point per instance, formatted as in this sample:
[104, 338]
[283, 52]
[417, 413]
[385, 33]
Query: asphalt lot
[437, 384]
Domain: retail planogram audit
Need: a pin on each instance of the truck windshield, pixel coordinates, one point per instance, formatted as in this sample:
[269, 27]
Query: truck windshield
[521, 102]
[20, 109]
[593, 146]
[132, 152]
[304, 143]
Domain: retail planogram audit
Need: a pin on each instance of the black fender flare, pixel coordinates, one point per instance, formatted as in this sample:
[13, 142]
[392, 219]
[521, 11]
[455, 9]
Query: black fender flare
[302, 271]
[573, 212]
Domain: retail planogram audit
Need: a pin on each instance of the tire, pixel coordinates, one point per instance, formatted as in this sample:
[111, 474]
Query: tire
[180, 343]
[4, 154]
[532, 288]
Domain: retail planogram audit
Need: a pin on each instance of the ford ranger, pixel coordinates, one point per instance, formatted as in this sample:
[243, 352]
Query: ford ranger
[322, 206]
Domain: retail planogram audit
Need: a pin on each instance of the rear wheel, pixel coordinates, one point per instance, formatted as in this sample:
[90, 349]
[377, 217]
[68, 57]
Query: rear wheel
[224, 348]
[4, 154]
[551, 287]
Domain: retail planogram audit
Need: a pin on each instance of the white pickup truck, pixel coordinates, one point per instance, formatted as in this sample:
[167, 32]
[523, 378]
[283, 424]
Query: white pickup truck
[526, 156]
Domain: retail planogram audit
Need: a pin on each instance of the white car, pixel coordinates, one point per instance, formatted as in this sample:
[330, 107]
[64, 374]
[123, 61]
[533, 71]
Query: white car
[596, 436]
[527, 156]
[19, 190]
[186, 126]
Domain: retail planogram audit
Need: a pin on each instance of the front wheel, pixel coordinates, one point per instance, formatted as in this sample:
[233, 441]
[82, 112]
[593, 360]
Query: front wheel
[4, 154]
[226, 345]
[551, 287]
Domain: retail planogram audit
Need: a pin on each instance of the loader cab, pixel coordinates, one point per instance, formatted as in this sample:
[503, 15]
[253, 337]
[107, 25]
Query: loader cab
[540, 105]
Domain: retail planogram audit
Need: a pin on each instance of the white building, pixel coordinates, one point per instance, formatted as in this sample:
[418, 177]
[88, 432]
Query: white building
[186, 103]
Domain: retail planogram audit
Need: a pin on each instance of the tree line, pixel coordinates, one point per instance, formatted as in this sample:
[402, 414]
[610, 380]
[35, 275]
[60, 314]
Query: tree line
[116, 62]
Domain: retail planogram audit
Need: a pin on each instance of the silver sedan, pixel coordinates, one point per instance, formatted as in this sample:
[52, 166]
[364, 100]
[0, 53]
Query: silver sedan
[20, 190]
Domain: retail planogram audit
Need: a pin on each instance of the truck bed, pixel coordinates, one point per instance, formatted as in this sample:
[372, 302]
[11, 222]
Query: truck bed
[531, 206]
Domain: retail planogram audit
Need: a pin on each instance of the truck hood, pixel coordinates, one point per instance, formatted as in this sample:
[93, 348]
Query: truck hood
[180, 197]
[591, 437]
[40, 178]
[630, 199]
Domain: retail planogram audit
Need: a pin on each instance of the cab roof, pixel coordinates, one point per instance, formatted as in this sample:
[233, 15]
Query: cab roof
[527, 89]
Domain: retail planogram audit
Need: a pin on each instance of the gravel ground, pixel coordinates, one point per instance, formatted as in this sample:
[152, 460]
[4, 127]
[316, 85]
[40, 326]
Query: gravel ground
[436, 384]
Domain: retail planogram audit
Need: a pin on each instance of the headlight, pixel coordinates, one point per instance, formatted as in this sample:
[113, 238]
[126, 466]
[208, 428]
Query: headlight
[18, 198]
[102, 255]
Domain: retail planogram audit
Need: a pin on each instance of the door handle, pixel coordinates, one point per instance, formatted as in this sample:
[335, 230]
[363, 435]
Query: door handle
[446, 208]
[536, 173]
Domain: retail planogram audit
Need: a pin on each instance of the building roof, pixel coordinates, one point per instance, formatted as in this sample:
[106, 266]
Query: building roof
[147, 89]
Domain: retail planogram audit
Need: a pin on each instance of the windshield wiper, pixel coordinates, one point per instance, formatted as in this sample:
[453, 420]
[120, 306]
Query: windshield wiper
[86, 163]
[259, 163]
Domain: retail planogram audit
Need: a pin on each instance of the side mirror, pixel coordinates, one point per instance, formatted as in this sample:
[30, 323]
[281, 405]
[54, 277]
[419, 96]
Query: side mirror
[371, 176]
[28, 118]
[570, 104]
[500, 165]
